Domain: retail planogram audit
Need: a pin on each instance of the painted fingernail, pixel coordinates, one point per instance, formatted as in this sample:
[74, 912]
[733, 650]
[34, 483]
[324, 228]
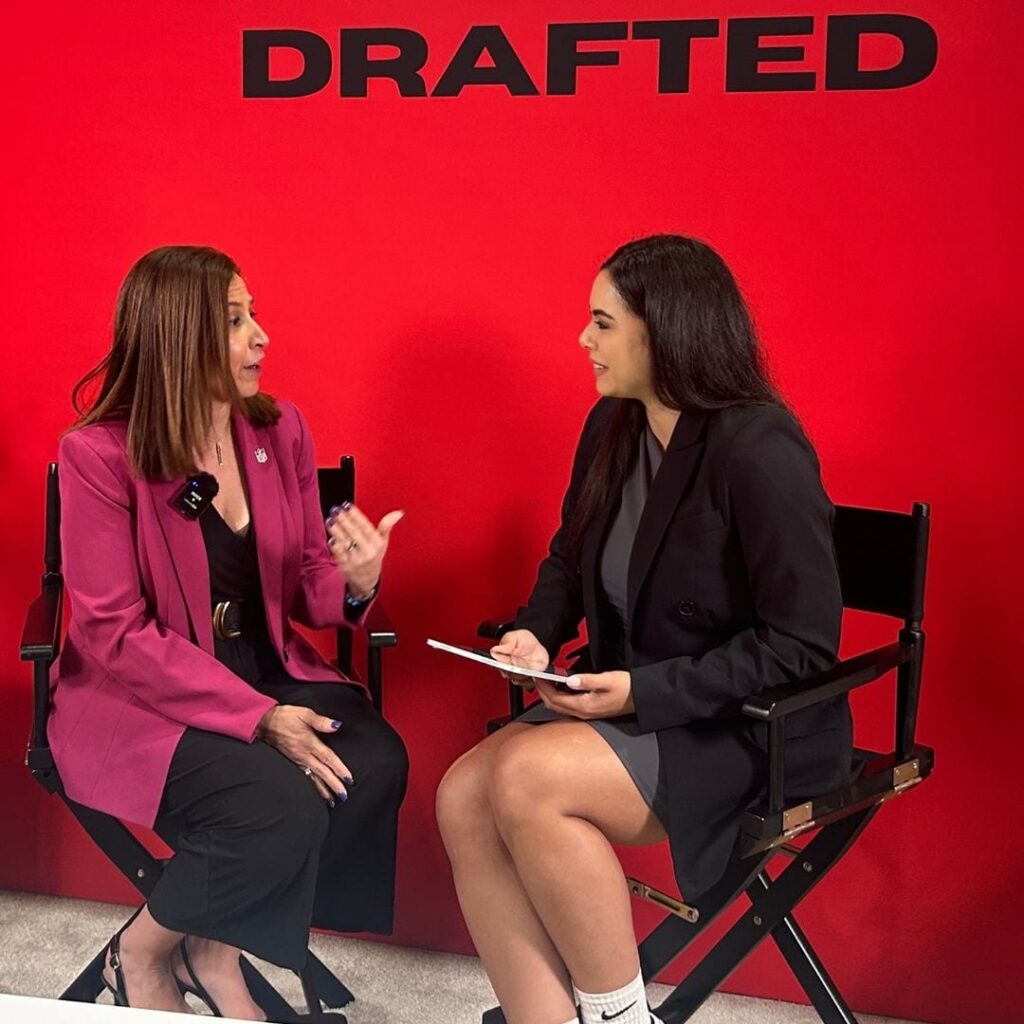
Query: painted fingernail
[346, 505]
[348, 780]
[330, 520]
[336, 724]
[332, 511]
[343, 797]
[330, 542]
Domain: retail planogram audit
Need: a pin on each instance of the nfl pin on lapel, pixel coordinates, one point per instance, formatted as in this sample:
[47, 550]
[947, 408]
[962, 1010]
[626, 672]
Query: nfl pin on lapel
[261, 455]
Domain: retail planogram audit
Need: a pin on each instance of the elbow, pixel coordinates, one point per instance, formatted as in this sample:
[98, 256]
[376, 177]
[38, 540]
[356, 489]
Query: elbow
[800, 655]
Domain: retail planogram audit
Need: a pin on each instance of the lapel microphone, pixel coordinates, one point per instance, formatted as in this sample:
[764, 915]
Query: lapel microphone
[196, 496]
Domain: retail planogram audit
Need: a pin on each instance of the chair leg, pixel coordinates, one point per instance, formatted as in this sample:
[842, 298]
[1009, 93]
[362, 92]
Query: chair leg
[315, 1011]
[811, 973]
[767, 911]
[329, 987]
[89, 984]
[673, 935]
[266, 996]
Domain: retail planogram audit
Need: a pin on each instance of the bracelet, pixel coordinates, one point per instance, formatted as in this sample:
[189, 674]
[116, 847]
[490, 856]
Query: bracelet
[351, 601]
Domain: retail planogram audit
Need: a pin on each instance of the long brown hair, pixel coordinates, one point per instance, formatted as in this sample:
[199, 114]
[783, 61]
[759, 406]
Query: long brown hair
[704, 352]
[168, 358]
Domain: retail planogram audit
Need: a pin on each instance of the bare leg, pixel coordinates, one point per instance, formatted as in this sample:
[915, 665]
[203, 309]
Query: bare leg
[528, 975]
[561, 797]
[146, 961]
[217, 968]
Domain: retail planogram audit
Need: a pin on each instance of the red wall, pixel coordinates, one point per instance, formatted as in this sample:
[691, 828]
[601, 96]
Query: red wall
[423, 265]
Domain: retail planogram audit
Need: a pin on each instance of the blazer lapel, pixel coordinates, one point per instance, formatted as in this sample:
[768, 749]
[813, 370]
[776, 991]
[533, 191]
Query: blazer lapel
[589, 577]
[257, 458]
[670, 484]
[188, 562]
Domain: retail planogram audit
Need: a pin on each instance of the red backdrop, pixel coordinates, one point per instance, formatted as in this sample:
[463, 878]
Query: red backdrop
[423, 265]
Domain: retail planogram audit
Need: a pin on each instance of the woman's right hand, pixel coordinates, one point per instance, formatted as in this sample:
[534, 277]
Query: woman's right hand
[293, 730]
[520, 647]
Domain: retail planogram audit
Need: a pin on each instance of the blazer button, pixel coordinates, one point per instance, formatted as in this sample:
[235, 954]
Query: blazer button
[687, 608]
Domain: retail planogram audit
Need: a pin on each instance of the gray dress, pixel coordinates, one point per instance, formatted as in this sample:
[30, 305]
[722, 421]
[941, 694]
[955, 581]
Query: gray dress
[637, 751]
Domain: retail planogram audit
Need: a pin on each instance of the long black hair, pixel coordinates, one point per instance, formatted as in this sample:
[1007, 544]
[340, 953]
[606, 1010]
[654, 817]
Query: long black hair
[704, 352]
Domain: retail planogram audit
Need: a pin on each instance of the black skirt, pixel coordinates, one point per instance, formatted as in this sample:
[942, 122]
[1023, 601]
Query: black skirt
[259, 855]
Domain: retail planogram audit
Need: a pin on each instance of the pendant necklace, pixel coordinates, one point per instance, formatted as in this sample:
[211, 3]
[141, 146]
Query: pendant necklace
[219, 450]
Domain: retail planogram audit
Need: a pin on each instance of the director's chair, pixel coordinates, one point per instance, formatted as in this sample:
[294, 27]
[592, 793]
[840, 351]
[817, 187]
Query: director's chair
[882, 558]
[40, 644]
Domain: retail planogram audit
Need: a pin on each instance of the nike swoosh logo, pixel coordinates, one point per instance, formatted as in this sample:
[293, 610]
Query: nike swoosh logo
[618, 1013]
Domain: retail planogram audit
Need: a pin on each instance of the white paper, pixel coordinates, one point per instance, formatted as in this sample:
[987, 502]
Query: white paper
[484, 659]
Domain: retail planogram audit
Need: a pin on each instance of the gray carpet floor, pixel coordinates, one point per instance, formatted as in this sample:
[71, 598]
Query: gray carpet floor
[45, 941]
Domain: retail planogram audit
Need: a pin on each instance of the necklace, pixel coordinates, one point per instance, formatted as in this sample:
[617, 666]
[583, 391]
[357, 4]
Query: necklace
[217, 446]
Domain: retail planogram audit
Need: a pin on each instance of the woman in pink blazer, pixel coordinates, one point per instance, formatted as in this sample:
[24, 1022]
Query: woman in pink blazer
[183, 698]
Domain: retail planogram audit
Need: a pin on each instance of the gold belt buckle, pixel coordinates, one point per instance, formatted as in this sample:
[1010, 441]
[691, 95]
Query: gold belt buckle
[219, 629]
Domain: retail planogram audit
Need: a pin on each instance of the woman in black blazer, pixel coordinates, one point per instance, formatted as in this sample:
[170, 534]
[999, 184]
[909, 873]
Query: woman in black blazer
[696, 543]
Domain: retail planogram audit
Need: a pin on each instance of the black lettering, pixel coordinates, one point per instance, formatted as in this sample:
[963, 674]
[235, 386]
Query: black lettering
[508, 69]
[744, 53]
[674, 38]
[842, 51]
[357, 68]
[256, 47]
[564, 58]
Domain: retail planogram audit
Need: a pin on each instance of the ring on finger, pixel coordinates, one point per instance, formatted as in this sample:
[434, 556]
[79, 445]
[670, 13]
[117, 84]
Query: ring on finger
[307, 771]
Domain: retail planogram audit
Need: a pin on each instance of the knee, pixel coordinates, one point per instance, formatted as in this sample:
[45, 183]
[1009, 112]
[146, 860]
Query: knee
[395, 760]
[461, 805]
[381, 763]
[530, 774]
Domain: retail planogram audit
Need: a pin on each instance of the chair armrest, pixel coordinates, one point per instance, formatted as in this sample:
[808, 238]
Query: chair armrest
[40, 639]
[495, 629]
[780, 701]
[379, 630]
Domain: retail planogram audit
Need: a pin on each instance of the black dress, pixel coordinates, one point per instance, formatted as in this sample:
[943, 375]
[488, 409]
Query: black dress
[259, 855]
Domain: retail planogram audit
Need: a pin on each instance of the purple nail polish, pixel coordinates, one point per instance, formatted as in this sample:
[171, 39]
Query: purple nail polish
[348, 780]
[332, 511]
[346, 505]
[330, 521]
[336, 724]
[343, 797]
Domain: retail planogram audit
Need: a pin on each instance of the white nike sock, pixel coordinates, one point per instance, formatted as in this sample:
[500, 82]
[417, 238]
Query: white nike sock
[626, 1005]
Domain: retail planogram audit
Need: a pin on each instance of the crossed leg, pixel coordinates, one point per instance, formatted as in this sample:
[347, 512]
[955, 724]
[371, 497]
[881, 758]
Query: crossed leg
[528, 817]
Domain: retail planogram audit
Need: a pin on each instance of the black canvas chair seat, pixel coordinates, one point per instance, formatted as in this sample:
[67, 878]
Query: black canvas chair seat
[40, 644]
[882, 559]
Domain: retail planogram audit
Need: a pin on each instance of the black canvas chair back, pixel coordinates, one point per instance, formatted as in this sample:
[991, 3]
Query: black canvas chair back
[338, 485]
[40, 644]
[882, 559]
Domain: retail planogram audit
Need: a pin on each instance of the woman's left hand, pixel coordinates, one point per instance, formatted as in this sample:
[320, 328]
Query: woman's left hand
[600, 695]
[358, 547]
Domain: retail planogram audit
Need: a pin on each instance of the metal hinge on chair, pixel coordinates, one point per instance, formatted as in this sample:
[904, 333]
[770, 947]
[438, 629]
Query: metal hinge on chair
[904, 776]
[795, 821]
[663, 900]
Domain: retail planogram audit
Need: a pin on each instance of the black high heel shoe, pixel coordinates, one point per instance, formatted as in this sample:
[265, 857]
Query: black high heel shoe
[194, 986]
[118, 990]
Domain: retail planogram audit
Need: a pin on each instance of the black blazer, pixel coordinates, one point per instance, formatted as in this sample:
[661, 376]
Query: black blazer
[732, 588]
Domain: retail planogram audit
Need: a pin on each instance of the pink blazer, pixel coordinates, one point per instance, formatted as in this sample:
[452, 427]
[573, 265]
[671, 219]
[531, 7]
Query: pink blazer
[129, 679]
